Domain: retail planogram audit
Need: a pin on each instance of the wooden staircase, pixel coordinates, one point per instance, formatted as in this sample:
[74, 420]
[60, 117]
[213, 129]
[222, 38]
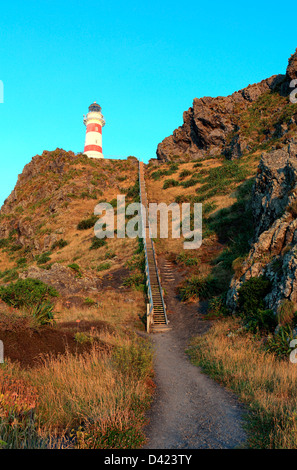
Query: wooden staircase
[156, 313]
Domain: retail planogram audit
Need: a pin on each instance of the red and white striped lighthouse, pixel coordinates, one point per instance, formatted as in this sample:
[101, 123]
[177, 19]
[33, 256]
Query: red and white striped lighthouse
[94, 122]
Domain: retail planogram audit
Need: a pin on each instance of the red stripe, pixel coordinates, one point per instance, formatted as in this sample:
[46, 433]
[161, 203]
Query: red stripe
[93, 127]
[93, 147]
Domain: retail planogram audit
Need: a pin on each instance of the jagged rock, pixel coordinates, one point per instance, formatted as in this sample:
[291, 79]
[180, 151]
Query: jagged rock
[274, 187]
[210, 126]
[49, 241]
[292, 67]
[274, 251]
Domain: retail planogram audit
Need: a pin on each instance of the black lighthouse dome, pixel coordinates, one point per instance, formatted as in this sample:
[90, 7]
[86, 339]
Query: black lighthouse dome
[94, 107]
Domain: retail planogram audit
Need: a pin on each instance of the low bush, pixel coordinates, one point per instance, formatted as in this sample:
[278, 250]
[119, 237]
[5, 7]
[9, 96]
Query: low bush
[21, 262]
[103, 266]
[133, 192]
[43, 312]
[279, 343]
[251, 305]
[170, 183]
[191, 182]
[27, 293]
[184, 173]
[60, 244]
[197, 288]
[97, 243]
[9, 275]
[4, 242]
[43, 258]
[217, 307]
[85, 224]
[186, 259]
[75, 267]
[109, 254]
[252, 293]
[135, 280]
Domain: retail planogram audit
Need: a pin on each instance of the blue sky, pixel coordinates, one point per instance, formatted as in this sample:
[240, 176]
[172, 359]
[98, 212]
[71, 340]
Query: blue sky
[144, 63]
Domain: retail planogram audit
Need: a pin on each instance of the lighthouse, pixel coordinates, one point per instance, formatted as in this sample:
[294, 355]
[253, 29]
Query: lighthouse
[94, 121]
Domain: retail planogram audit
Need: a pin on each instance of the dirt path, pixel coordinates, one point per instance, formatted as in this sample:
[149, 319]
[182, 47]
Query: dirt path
[190, 410]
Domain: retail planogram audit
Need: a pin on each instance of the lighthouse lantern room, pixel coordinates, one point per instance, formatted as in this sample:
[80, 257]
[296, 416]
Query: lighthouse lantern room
[94, 121]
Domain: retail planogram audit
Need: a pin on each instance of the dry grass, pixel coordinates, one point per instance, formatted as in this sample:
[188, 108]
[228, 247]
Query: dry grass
[96, 399]
[108, 178]
[265, 384]
[90, 396]
[116, 308]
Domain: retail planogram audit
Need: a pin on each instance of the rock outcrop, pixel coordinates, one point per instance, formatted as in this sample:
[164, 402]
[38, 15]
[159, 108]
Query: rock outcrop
[292, 67]
[63, 279]
[274, 251]
[47, 190]
[212, 125]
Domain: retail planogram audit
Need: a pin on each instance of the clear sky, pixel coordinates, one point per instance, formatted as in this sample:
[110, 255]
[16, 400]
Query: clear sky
[143, 62]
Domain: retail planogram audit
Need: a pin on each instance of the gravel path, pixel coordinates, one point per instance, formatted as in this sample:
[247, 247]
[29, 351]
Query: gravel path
[190, 411]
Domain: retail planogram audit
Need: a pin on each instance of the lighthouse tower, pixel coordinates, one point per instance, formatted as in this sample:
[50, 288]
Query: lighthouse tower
[94, 122]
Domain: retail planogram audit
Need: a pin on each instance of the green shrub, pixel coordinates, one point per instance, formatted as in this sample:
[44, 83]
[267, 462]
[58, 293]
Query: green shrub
[279, 344]
[217, 307]
[89, 301]
[43, 313]
[136, 262]
[9, 275]
[60, 244]
[251, 295]
[135, 280]
[261, 321]
[133, 192]
[83, 338]
[97, 243]
[103, 266]
[75, 267]
[113, 202]
[90, 194]
[109, 254]
[43, 258]
[15, 247]
[186, 259]
[191, 182]
[251, 305]
[27, 293]
[4, 242]
[170, 183]
[197, 288]
[21, 262]
[87, 223]
[184, 173]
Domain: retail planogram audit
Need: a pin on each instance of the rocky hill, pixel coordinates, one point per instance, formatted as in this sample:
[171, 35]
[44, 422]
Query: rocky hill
[257, 117]
[47, 223]
[274, 248]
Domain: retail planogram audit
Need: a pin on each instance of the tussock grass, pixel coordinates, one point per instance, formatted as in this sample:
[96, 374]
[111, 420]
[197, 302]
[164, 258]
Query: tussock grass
[265, 384]
[95, 394]
[94, 400]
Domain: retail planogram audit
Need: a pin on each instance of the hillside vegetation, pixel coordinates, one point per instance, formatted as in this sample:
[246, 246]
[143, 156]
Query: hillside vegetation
[76, 373]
